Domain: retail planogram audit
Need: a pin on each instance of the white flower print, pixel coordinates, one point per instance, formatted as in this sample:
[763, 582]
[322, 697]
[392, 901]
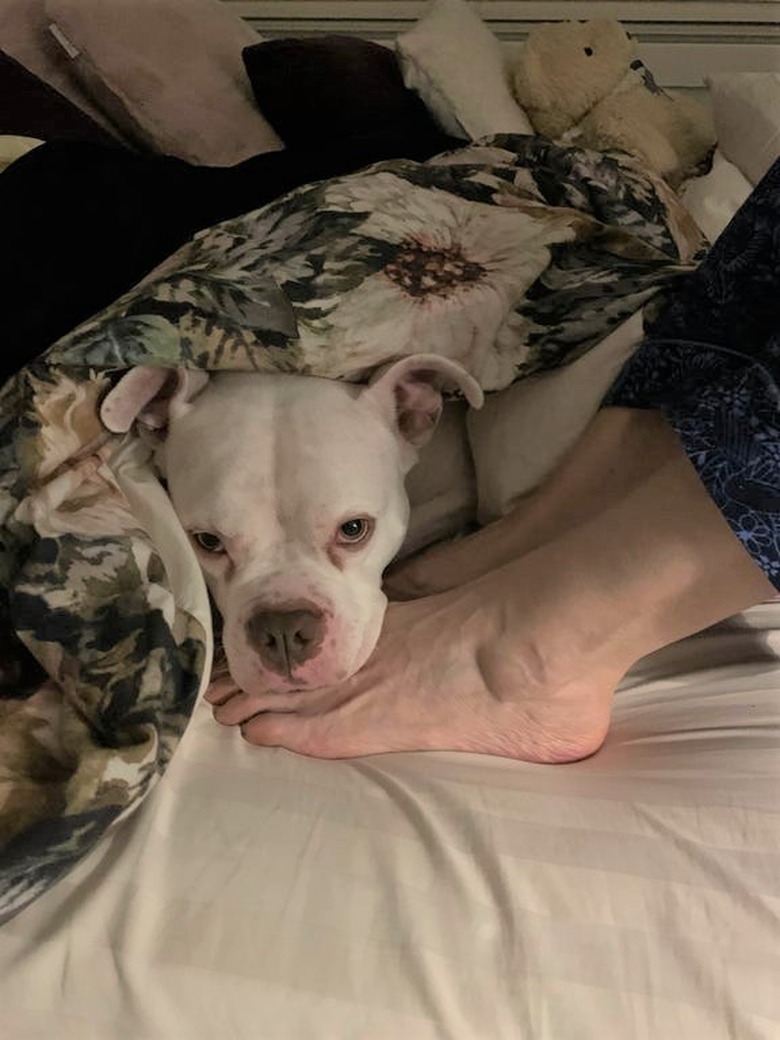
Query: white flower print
[455, 272]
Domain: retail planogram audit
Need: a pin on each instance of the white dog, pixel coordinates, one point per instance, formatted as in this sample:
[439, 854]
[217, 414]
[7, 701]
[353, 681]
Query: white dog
[292, 491]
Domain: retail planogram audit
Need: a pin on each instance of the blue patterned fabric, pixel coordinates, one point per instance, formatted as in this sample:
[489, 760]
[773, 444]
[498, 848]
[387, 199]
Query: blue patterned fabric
[711, 364]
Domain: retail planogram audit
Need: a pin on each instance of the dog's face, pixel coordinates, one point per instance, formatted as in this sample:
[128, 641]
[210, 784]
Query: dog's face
[294, 508]
[291, 490]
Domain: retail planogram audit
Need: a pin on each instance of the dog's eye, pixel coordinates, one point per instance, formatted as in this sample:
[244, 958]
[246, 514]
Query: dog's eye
[355, 530]
[208, 542]
[589, 51]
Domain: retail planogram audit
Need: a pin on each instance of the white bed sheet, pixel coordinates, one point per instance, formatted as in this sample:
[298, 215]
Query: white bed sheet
[257, 894]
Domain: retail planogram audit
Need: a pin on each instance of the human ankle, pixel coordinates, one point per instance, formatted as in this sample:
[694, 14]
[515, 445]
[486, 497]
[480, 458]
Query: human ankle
[653, 568]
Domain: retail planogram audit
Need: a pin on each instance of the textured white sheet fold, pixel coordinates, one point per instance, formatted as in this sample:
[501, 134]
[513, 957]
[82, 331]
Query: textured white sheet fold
[257, 894]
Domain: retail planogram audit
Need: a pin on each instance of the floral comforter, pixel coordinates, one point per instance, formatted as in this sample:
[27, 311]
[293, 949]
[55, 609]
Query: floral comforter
[512, 256]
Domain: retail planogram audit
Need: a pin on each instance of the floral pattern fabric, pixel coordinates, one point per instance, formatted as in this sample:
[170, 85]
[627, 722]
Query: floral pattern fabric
[711, 364]
[513, 256]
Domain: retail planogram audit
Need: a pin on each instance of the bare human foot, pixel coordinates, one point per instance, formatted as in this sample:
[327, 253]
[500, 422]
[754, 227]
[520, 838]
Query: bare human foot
[523, 661]
[459, 671]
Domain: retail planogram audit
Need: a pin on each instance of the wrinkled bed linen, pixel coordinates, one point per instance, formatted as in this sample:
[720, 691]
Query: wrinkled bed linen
[513, 256]
[261, 894]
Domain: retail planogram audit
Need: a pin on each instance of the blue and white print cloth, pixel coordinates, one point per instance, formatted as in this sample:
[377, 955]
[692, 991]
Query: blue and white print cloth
[711, 364]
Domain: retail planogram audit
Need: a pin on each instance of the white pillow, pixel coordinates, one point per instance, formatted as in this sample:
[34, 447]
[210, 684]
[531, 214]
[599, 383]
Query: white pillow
[458, 68]
[746, 107]
[713, 200]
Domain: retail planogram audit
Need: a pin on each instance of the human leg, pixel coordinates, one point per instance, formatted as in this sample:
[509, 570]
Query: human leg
[620, 448]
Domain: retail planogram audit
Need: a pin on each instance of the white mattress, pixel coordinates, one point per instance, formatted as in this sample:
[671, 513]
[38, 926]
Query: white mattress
[257, 894]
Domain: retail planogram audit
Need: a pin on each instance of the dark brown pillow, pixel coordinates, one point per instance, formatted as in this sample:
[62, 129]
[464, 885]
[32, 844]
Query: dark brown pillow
[325, 89]
[31, 108]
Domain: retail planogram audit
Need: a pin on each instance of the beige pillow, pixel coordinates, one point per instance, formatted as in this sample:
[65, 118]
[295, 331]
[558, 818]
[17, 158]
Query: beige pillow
[458, 67]
[746, 108]
[168, 72]
[24, 37]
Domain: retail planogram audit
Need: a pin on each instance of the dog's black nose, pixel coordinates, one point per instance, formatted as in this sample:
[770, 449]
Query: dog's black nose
[285, 639]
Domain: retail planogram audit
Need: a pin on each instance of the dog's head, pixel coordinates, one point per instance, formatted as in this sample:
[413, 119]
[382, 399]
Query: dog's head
[291, 489]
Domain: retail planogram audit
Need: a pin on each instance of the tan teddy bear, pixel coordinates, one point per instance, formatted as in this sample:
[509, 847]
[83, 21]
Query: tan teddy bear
[582, 83]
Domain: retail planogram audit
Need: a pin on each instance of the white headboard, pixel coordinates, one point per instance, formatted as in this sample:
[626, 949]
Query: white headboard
[681, 42]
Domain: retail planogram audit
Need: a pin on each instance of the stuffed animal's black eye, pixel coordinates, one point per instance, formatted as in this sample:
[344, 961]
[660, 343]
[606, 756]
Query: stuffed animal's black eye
[588, 51]
[208, 541]
[355, 530]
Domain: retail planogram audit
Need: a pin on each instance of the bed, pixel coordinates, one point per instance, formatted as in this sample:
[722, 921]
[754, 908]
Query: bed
[178, 883]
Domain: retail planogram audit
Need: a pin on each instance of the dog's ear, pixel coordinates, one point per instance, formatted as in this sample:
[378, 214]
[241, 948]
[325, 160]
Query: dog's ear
[409, 393]
[151, 397]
